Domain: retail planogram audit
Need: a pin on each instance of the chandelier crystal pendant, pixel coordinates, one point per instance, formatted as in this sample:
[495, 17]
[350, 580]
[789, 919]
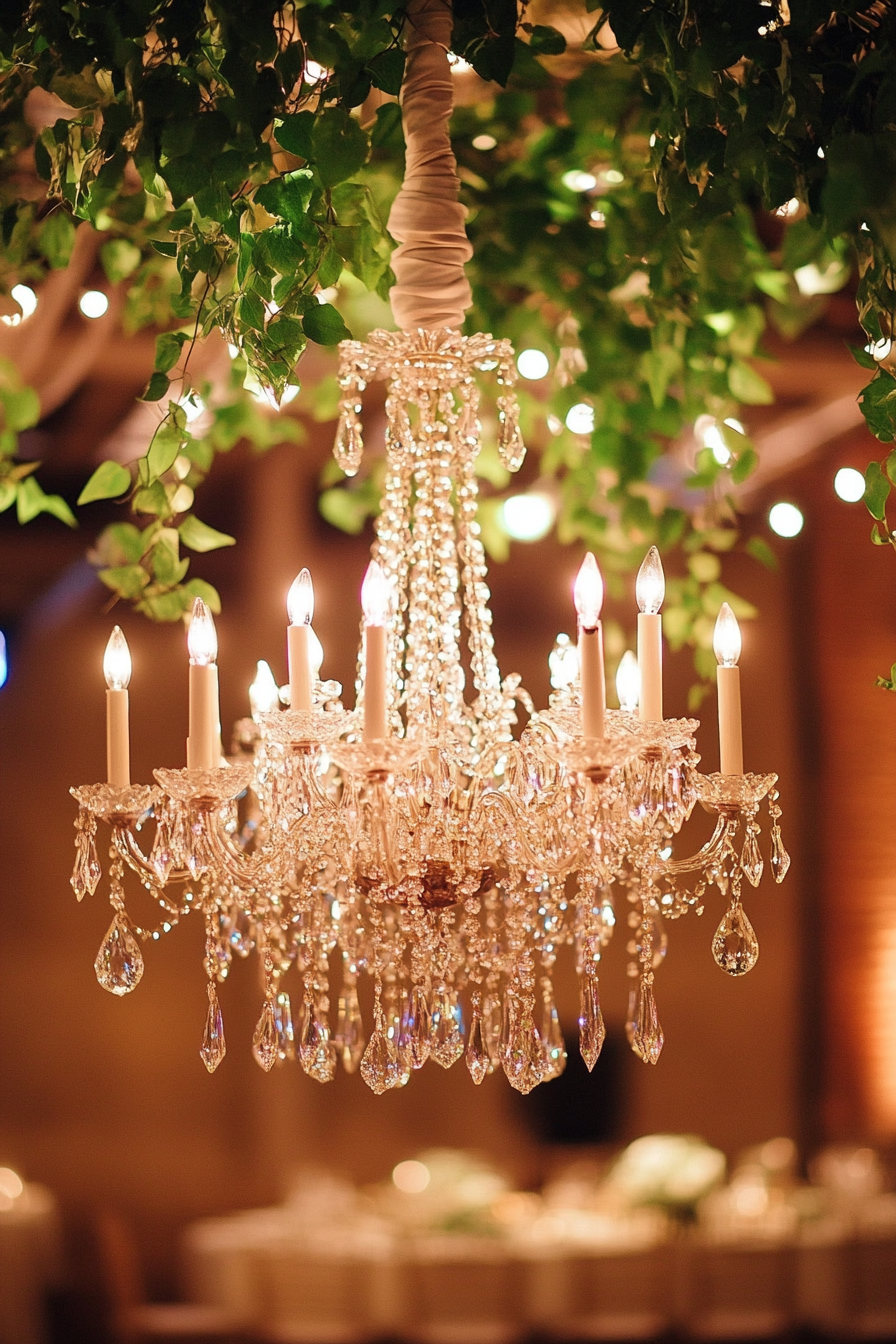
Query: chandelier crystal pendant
[416, 840]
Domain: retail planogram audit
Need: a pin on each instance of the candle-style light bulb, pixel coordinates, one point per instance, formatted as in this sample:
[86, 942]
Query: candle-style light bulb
[628, 682]
[300, 599]
[588, 593]
[650, 585]
[726, 640]
[202, 637]
[264, 693]
[117, 661]
[563, 663]
[375, 595]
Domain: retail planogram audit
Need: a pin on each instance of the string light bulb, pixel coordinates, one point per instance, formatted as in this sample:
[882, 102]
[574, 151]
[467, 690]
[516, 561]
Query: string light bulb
[117, 661]
[588, 592]
[726, 639]
[202, 637]
[300, 599]
[650, 585]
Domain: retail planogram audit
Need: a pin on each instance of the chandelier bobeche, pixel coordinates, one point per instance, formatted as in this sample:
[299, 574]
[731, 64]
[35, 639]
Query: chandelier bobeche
[414, 839]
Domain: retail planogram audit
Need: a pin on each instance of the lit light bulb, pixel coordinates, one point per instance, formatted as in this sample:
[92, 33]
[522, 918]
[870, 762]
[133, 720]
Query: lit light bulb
[315, 652]
[532, 364]
[726, 641]
[588, 593]
[202, 637]
[563, 663]
[628, 682]
[94, 303]
[26, 298]
[849, 484]
[117, 661]
[264, 693]
[375, 595]
[192, 406]
[577, 180]
[528, 517]
[300, 599]
[650, 585]
[580, 418]
[785, 519]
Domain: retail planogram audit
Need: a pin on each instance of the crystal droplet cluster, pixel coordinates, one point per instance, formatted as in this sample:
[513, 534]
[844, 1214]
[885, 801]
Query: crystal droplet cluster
[452, 863]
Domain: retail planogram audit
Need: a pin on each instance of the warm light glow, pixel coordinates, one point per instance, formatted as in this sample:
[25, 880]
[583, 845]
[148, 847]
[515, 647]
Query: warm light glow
[576, 180]
[192, 406]
[300, 599]
[411, 1178]
[202, 637]
[812, 279]
[315, 652]
[588, 592]
[650, 585]
[789, 209]
[532, 364]
[613, 176]
[26, 298]
[484, 142]
[375, 595]
[264, 693]
[11, 1183]
[93, 303]
[458, 65]
[117, 661]
[785, 519]
[879, 349]
[580, 418]
[597, 219]
[314, 72]
[528, 517]
[726, 641]
[563, 663]
[628, 682]
[849, 485]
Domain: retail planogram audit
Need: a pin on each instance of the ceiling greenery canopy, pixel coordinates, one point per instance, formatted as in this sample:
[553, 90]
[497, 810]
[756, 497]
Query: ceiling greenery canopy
[620, 168]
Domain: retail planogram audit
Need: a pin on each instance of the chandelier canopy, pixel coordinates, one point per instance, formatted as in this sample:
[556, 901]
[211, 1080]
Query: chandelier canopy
[416, 839]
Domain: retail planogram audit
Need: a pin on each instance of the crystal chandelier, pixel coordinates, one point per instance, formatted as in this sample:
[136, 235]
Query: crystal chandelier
[416, 840]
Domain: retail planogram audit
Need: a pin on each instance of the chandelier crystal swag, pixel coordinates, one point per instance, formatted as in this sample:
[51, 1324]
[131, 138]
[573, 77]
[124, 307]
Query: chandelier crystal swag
[415, 840]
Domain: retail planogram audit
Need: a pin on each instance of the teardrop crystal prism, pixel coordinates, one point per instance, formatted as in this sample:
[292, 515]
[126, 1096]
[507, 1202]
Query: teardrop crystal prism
[751, 859]
[161, 856]
[780, 859]
[477, 1054]
[447, 1037]
[491, 1030]
[264, 1041]
[379, 1065]
[524, 1059]
[552, 1041]
[317, 1053]
[213, 1048]
[735, 946]
[349, 1039]
[647, 1037]
[283, 1023]
[416, 1036]
[119, 962]
[241, 940]
[592, 1031]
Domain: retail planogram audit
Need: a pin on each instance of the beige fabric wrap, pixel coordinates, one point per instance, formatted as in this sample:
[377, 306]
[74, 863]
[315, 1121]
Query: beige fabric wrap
[430, 290]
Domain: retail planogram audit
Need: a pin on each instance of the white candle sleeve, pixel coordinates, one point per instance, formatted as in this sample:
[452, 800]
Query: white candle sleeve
[375, 645]
[298, 651]
[650, 665]
[118, 747]
[203, 744]
[594, 691]
[731, 747]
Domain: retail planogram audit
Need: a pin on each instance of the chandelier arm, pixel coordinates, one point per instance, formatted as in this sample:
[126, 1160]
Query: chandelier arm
[710, 851]
[431, 290]
[137, 861]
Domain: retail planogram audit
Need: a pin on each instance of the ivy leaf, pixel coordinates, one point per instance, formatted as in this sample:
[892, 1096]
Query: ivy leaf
[31, 500]
[748, 386]
[161, 454]
[877, 490]
[760, 550]
[746, 463]
[168, 351]
[200, 537]
[340, 146]
[324, 325]
[289, 196]
[878, 401]
[294, 134]
[547, 41]
[57, 238]
[109, 481]
[156, 388]
[199, 588]
[126, 580]
[21, 408]
[346, 509]
[120, 258]
[861, 356]
[387, 70]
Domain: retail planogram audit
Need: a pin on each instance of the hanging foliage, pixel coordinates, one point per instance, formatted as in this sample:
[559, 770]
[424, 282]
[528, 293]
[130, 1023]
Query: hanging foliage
[230, 156]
